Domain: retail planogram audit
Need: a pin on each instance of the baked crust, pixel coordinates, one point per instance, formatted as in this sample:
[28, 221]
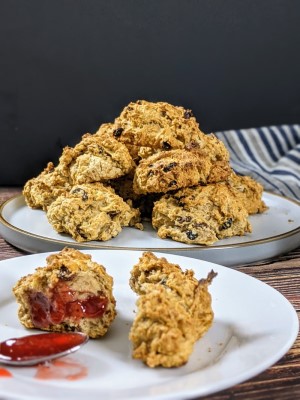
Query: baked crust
[69, 279]
[173, 311]
[92, 211]
[175, 169]
[96, 158]
[41, 191]
[158, 125]
[249, 191]
[200, 215]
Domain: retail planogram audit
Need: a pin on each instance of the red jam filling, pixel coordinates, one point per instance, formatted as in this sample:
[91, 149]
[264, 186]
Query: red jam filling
[44, 344]
[64, 303]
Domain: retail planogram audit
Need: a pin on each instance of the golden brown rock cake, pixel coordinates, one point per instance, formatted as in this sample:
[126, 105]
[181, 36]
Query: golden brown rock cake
[92, 211]
[157, 125]
[175, 169]
[96, 158]
[200, 214]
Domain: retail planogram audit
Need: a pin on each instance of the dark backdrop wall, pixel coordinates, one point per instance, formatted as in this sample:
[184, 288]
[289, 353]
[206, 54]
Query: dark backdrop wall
[66, 66]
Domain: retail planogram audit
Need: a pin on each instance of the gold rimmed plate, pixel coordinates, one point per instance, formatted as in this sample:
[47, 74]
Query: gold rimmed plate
[274, 232]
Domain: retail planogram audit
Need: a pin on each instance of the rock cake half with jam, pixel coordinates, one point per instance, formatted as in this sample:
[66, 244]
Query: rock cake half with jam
[71, 293]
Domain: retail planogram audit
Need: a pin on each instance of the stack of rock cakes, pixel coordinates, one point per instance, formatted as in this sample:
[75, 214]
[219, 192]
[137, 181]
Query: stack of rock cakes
[152, 162]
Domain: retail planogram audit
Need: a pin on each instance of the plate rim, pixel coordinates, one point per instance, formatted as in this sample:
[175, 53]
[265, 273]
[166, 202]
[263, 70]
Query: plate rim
[229, 382]
[90, 245]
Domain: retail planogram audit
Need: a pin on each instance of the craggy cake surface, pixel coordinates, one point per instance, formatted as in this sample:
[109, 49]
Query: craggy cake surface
[41, 191]
[248, 191]
[96, 158]
[91, 211]
[200, 215]
[176, 169]
[157, 125]
[173, 311]
[150, 127]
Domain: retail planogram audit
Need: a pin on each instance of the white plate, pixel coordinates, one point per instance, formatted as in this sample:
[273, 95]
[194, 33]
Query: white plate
[254, 327]
[274, 232]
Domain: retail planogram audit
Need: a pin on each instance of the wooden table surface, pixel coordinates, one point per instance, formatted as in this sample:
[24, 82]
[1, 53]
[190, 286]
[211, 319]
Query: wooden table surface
[281, 381]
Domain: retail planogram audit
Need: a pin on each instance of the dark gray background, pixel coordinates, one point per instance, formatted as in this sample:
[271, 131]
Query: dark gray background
[68, 66]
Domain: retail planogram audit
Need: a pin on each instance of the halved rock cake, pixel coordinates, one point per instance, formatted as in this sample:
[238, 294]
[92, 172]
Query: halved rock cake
[71, 293]
[174, 310]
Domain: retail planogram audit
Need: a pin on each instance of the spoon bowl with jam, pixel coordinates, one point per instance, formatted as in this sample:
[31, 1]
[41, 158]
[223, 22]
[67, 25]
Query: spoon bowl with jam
[38, 348]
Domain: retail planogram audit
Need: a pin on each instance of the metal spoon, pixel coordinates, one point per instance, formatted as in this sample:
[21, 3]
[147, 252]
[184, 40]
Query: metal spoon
[39, 348]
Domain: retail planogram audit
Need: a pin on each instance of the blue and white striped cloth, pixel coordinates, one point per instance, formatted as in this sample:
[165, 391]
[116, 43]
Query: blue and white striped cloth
[271, 155]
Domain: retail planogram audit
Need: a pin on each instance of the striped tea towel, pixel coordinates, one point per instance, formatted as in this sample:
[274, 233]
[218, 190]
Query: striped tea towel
[271, 155]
